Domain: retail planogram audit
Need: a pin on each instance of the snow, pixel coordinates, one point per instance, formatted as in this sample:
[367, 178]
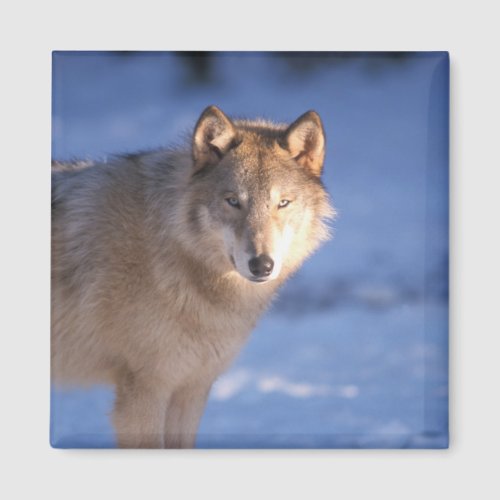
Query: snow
[354, 352]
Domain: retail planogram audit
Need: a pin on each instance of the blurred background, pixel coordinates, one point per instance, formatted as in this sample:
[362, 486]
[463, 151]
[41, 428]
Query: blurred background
[354, 353]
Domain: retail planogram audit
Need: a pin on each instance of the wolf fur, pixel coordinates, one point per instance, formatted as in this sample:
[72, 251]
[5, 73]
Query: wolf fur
[151, 286]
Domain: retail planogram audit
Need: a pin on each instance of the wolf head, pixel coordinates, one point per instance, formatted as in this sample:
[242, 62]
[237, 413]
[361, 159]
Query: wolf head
[255, 192]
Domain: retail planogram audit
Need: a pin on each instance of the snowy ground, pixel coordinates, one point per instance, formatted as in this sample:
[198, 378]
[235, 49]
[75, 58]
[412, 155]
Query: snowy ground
[354, 353]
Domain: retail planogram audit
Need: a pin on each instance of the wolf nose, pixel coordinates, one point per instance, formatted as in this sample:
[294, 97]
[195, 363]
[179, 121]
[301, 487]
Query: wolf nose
[261, 266]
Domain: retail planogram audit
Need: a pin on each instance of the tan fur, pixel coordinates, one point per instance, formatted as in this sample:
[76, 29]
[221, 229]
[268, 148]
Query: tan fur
[149, 290]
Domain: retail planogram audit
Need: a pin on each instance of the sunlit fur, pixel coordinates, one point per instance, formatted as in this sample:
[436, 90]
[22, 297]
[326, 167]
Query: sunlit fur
[150, 287]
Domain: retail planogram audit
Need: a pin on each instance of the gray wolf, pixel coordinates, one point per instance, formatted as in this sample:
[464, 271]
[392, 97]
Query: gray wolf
[163, 261]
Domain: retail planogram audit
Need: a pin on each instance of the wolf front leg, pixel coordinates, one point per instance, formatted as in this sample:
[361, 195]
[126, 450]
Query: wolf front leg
[139, 414]
[184, 411]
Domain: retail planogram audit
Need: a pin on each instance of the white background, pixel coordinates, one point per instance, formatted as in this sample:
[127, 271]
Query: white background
[30, 30]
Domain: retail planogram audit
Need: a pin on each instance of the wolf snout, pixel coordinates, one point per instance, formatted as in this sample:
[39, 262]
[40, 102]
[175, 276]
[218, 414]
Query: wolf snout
[261, 266]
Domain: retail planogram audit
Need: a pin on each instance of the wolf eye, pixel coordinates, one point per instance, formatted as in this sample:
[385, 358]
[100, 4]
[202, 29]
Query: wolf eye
[283, 203]
[233, 201]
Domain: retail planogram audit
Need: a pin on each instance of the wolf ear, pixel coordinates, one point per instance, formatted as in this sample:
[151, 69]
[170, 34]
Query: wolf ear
[305, 140]
[214, 135]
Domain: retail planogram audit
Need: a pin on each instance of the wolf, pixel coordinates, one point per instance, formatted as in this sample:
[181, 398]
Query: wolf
[163, 261]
